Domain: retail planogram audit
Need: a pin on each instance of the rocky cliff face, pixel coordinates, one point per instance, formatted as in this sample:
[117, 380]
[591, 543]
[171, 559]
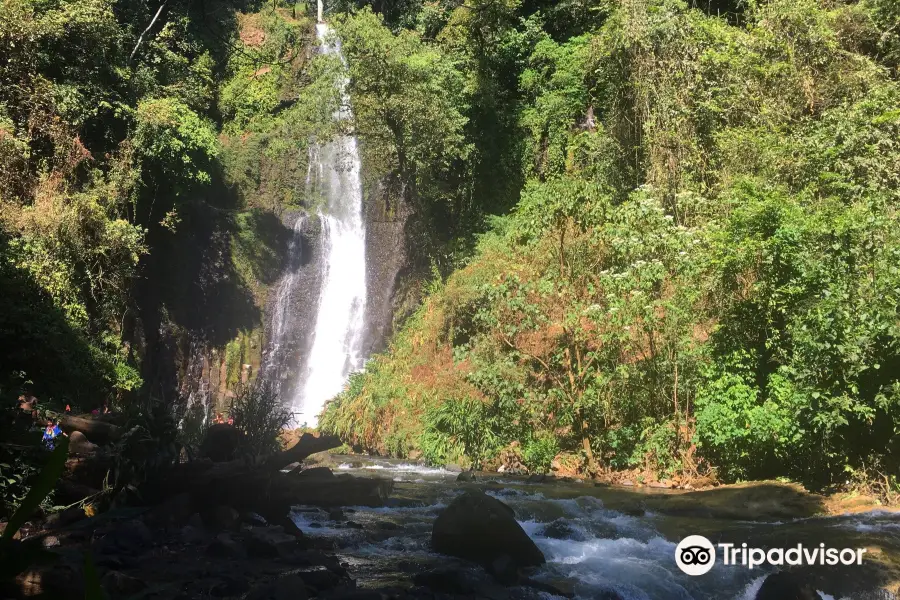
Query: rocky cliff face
[291, 308]
[387, 212]
[203, 327]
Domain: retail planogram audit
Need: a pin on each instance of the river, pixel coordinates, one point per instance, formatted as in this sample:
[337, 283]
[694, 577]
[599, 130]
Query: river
[598, 539]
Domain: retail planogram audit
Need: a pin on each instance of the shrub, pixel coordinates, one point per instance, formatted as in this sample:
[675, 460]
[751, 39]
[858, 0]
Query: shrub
[260, 416]
[539, 453]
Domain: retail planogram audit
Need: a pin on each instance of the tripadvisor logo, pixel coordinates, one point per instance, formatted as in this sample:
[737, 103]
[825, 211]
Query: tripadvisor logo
[696, 555]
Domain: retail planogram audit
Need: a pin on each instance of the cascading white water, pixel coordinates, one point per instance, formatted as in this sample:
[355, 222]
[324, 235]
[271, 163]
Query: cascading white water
[285, 290]
[338, 335]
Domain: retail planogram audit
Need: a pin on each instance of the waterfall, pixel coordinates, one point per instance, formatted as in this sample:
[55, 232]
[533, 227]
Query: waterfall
[283, 297]
[339, 322]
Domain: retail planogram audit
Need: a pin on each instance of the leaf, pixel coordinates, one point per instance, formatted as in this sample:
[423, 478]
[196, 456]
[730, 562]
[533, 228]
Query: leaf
[42, 487]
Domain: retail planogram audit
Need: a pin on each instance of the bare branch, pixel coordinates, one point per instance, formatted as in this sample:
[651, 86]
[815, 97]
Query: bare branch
[149, 27]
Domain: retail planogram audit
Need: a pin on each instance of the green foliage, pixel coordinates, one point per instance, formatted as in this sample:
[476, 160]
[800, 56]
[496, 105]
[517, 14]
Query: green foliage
[175, 140]
[14, 478]
[539, 453]
[700, 273]
[411, 100]
[260, 416]
[40, 488]
[461, 427]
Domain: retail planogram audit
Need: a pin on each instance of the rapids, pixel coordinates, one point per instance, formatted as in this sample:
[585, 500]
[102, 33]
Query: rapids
[590, 548]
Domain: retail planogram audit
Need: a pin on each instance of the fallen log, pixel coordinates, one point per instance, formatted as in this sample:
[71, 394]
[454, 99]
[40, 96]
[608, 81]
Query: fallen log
[241, 479]
[97, 431]
[305, 447]
[272, 494]
[269, 490]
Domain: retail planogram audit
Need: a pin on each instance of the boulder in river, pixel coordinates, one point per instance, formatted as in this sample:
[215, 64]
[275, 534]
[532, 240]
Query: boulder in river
[785, 586]
[466, 476]
[315, 473]
[480, 528]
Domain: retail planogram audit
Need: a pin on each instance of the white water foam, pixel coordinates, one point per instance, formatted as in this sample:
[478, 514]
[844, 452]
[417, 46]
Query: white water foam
[338, 335]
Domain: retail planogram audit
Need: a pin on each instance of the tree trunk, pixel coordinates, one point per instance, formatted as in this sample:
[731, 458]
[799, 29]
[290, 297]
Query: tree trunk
[97, 431]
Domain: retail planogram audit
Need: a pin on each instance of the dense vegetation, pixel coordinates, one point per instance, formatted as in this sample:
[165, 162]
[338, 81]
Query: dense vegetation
[662, 236]
[701, 271]
[147, 151]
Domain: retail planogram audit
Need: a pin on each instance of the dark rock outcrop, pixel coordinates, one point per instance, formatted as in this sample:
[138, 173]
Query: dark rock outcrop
[271, 542]
[480, 528]
[785, 586]
[222, 517]
[316, 473]
[559, 530]
[119, 584]
[225, 546]
[221, 443]
[289, 587]
[132, 537]
[466, 476]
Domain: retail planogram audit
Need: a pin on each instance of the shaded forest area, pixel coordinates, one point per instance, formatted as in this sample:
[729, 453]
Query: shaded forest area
[147, 152]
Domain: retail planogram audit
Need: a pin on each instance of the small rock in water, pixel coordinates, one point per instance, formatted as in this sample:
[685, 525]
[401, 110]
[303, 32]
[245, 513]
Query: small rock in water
[315, 525]
[559, 530]
[785, 586]
[353, 525]
[466, 476]
[387, 526]
[51, 541]
[251, 518]
[537, 478]
[270, 542]
[291, 528]
[318, 578]
[451, 581]
[336, 514]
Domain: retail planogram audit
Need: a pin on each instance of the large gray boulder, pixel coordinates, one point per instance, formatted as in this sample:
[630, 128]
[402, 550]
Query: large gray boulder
[482, 529]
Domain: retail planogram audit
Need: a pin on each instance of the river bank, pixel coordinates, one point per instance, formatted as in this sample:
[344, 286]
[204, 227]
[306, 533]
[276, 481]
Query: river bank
[338, 543]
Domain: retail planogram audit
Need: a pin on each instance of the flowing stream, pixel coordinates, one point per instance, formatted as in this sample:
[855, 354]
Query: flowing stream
[593, 542]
